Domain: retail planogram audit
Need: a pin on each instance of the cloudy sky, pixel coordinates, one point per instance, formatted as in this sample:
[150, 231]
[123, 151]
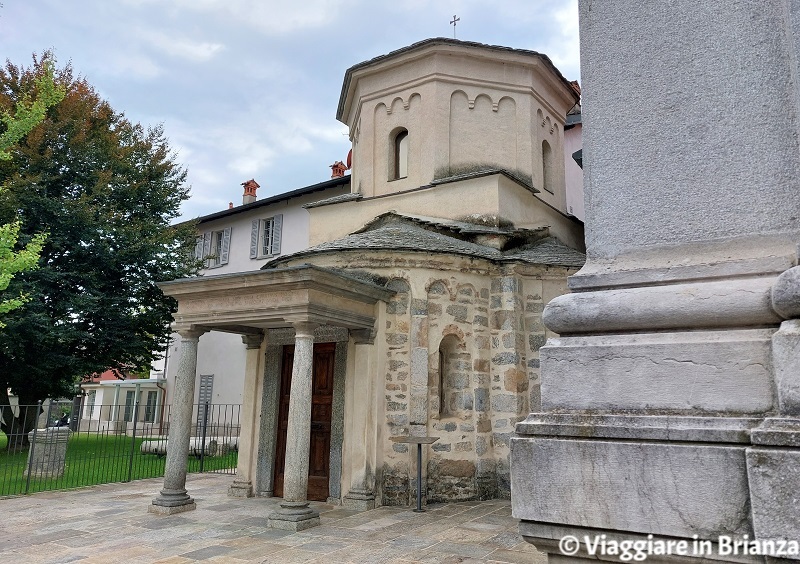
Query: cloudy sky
[249, 88]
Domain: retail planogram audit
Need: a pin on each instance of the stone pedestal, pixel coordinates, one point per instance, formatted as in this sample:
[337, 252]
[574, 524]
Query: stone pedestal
[174, 498]
[47, 453]
[294, 513]
[669, 399]
[361, 452]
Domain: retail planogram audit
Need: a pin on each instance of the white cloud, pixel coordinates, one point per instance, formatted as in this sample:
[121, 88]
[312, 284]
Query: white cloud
[269, 16]
[134, 65]
[181, 48]
[564, 49]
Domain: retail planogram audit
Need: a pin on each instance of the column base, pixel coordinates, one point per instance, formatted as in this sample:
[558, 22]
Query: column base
[172, 509]
[294, 516]
[240, 489]
[359, 500]
[170, 502]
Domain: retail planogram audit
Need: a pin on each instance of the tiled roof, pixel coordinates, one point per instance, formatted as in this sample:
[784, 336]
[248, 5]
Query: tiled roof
[350, 196]
[409, 236]
[332, 183]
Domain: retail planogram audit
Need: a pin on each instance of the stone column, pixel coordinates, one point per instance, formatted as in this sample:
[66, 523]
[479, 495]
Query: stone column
[294, 513]
[173, 497]
[362, 418]
[668, 401]
[253, 381]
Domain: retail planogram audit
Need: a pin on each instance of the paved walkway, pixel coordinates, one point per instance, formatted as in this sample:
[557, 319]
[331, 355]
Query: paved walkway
[110, 524]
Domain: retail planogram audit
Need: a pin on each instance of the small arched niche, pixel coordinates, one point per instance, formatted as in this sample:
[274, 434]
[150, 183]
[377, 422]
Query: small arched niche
[455, 393]
[398, 155]
[547, 166]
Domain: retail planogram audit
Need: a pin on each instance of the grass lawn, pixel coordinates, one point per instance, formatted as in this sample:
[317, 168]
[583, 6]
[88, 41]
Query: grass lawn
[96, 458]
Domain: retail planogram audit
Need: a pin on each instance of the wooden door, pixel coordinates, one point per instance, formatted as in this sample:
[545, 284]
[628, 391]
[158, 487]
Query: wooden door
[321, 408]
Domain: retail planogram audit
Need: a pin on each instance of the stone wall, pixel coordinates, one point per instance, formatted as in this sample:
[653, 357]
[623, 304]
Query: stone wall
[461, 341]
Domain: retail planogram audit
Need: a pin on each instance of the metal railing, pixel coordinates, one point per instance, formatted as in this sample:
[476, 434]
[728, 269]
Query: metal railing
[75, 446]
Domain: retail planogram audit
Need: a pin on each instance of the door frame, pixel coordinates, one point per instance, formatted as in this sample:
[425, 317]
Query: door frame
[267, 432]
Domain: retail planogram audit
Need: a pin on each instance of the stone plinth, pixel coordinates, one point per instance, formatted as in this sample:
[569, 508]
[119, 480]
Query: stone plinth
[294, 513]
[47, 453]
[669, 401]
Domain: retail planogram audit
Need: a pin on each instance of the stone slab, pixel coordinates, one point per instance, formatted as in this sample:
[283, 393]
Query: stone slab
[776, 431]
[546, 536]
[642, 427]
[775, 492]
[667, 489]
[689, 373]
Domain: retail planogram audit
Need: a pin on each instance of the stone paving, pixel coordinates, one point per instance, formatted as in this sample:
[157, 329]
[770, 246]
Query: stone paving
[110, 524]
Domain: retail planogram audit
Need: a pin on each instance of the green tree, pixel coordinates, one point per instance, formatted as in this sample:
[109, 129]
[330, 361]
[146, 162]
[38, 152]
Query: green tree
[27, 115]
[106, 190]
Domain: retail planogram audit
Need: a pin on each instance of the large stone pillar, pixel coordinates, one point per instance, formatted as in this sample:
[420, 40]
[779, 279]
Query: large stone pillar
[669, 399]
[361, 407]
[173, 497]
[294, 513]
[249, 421]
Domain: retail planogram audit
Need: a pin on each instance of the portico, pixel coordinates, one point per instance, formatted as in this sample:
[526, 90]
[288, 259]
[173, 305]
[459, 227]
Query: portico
[301, 298]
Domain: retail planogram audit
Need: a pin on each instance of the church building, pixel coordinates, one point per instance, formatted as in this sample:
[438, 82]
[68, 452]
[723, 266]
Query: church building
[416, 309]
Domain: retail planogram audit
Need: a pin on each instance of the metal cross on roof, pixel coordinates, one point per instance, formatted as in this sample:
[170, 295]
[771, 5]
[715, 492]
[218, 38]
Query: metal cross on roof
[453, 23]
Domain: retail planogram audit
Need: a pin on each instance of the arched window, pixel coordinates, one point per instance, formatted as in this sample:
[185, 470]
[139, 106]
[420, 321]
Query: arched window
[400, 155]
[547, 166]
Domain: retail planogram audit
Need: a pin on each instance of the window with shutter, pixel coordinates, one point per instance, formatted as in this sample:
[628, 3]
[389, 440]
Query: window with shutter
[214, 247]
[265, 237]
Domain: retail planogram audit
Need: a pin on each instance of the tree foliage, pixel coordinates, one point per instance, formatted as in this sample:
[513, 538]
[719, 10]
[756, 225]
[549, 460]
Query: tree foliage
[106, 190]
[28, 114]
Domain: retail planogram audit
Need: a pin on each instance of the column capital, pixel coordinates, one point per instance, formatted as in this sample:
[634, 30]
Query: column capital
[304, 328]
[253, 341]
[363, 336]
[190, 332]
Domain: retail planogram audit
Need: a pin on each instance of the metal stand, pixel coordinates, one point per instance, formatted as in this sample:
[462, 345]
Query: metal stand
[419, 441]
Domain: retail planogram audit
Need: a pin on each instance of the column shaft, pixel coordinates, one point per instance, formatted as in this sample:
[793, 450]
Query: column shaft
[173, 497]
[295, 514]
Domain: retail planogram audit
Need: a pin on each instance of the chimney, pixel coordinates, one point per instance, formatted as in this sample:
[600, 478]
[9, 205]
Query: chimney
[338, 169]
[230, 205]
[250, 188]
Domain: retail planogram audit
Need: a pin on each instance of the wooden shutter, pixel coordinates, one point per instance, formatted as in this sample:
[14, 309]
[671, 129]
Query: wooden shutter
[226, 246]
[254, 238]
[198, 248]
[277, 226]
[204, 395]
[207, 245]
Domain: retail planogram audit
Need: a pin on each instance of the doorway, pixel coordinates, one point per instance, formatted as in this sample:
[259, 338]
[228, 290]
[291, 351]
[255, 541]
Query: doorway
[321, 411]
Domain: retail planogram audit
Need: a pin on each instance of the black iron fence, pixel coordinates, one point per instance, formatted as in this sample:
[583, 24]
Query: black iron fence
[64, 444]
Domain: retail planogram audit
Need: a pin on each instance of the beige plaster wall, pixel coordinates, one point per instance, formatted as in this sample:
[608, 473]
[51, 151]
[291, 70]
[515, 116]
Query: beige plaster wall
[486, 195]
[464, 109]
